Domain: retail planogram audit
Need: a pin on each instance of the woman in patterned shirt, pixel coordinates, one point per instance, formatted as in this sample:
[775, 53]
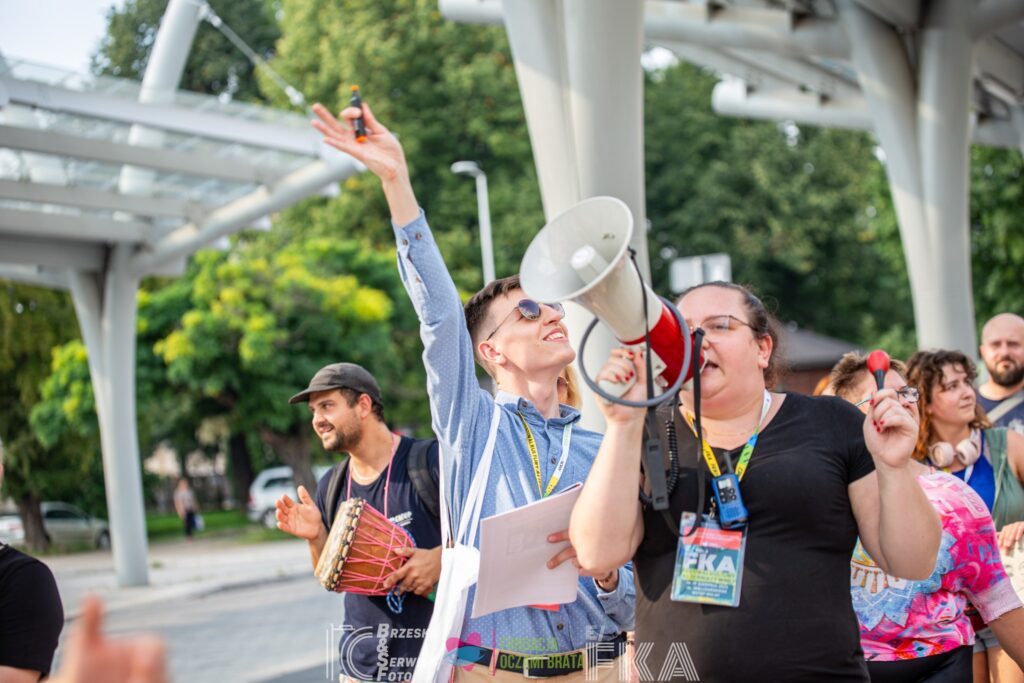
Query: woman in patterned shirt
[919, 630]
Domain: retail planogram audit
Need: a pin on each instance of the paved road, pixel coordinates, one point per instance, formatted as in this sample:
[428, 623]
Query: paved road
[229, 612]
[278, 632]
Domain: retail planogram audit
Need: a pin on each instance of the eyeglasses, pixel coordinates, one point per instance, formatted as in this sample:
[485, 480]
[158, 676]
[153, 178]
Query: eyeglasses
[718, 326]
[530, 310]
[908, 394]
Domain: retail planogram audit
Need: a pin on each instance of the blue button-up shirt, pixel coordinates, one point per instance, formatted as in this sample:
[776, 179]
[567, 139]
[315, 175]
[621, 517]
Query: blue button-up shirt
[462, 413]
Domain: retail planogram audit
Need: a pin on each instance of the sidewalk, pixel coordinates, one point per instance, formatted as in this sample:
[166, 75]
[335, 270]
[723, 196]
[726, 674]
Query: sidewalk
[179, 570]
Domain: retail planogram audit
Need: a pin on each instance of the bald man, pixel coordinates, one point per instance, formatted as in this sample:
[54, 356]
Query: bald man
[1002, 350]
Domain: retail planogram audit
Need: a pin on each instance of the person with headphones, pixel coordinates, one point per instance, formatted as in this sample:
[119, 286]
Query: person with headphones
[956, 435]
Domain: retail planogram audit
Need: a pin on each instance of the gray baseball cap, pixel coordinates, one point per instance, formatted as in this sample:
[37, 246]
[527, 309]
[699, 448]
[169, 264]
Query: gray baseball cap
[341, 376]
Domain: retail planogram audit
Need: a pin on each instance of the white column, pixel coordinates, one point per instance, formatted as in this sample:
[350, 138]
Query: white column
[160, 82]
[578, 65]
[106, 308]
[921, 119]
[944, 93]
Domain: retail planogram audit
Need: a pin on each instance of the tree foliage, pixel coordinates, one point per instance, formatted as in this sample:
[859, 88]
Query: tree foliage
[790, 205]
[214, 65]
[32, 322]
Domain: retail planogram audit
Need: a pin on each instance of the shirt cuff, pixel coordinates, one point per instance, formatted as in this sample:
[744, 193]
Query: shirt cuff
[403, 230]
[615, 595]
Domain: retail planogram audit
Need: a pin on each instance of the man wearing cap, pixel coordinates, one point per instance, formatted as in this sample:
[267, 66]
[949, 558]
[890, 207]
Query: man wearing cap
[538, 447]
[381, 636]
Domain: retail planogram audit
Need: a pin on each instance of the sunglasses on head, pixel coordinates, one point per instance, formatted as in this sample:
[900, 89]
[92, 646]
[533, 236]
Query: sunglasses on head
[530, 310]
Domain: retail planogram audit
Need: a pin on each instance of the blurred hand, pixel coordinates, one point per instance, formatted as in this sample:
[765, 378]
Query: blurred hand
[608, 580]
[93, 658]
[300, 519]
[381, 152]
[890, 430]
[622, 366]
[420, 572]
[1010, 535]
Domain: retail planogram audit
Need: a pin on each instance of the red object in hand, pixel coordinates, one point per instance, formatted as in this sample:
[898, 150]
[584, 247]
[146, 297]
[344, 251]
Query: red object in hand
[878, 365]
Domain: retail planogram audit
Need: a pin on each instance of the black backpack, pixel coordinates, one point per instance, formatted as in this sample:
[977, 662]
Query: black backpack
[423, 478]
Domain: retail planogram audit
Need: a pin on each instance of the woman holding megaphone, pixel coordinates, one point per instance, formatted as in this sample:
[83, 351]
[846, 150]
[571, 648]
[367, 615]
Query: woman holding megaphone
[755, 585]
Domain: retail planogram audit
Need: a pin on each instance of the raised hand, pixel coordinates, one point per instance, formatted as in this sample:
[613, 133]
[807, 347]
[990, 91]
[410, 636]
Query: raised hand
[890, 430]
[380, 152]
[621, 366]
[300, 519]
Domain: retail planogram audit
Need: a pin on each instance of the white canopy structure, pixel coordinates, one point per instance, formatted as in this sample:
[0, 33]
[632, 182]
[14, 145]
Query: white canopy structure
[927, 76]
[105, 181]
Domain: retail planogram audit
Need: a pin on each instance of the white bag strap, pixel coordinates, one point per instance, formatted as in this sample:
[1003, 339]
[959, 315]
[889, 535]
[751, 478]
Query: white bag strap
[470, 521]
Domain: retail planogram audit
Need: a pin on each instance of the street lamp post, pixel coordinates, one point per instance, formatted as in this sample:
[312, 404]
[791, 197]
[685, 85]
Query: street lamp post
[483, 206]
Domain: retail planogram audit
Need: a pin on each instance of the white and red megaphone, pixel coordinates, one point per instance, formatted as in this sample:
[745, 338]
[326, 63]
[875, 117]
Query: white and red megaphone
[582, 255]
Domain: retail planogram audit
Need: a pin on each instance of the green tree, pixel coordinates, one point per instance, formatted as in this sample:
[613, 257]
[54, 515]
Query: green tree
[790, 205]
[32, 322]
[214, 65]
[260, 323]
[448, 90]
[997, 237]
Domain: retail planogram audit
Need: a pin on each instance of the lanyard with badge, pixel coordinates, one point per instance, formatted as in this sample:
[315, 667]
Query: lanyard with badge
[545, 491]
[709, 561]
[531, 443]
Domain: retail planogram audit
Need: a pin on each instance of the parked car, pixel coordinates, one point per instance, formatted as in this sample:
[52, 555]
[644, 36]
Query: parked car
[63, 523]
[268, 486]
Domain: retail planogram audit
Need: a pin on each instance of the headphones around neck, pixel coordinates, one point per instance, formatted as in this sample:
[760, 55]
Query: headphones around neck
[943, 454]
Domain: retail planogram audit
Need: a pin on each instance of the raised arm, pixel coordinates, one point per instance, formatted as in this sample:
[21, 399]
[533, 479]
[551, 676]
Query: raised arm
[606, 525]
[897, 524]
[457, 401]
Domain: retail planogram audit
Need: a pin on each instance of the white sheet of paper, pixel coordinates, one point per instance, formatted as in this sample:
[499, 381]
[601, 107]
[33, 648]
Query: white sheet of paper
[514, 554]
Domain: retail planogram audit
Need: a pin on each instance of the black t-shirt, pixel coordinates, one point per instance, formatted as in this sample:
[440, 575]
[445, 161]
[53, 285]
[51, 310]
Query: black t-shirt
[377, 644]
[31, 614]
[795, 620]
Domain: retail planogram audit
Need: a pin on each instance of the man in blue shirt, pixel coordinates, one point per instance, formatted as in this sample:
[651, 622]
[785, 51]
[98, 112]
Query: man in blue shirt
[381, 636]
[539, 450]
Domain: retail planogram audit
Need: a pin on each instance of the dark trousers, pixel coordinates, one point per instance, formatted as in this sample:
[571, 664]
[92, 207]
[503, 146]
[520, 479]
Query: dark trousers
[190, 522]
[949, 667]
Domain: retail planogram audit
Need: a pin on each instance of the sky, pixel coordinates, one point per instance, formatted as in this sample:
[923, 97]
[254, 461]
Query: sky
[61, 33]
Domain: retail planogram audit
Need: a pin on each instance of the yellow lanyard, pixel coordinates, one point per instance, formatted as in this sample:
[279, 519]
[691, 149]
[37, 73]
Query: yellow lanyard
[748, 448]
[535, 457]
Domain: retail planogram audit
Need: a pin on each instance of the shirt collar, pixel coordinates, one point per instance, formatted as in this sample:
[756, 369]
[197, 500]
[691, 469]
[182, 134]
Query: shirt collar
[567, 415]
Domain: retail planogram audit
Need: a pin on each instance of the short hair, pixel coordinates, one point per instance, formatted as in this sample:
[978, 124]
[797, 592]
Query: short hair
[352, 396]
[924, 371]
[479, 305]
[846, 374]
[761, 321]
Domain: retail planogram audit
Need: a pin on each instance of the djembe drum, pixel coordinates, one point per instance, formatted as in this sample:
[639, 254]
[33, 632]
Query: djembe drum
[360, 550]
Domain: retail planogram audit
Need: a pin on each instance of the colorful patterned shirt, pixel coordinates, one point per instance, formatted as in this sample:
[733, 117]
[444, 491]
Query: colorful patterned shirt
[901, 619]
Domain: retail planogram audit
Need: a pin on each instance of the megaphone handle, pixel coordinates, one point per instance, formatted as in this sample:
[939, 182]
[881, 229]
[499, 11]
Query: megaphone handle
[617, 389]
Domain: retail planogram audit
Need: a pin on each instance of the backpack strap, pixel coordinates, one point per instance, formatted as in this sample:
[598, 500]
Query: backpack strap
[424, 478]
[334, 491]
[1006, 406]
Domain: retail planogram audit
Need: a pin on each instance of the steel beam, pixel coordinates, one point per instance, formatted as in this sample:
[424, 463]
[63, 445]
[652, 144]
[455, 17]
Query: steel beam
[59, 226]
[89, 198]
[173, 118]
[34, 275]
[992, 15]
[229, 218]
[40, 252]
[171, 161]
[705, 24]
